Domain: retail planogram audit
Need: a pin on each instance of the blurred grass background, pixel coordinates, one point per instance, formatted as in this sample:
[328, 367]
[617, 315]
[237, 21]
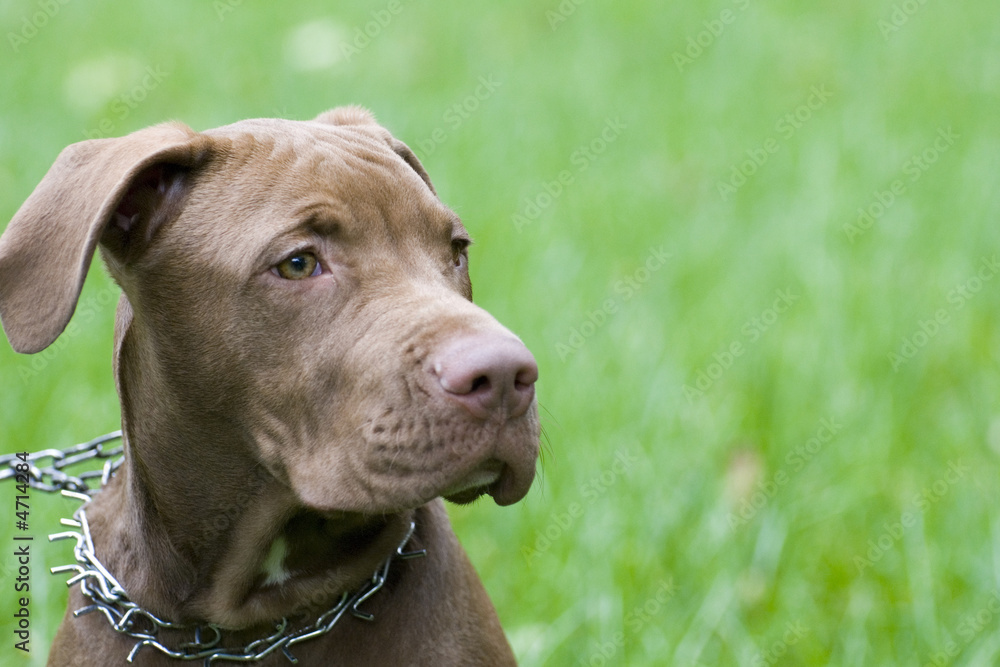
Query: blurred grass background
[665, 199]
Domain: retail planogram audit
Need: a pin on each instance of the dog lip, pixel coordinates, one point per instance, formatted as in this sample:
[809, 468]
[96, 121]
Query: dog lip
[512, 486]
[475, 484]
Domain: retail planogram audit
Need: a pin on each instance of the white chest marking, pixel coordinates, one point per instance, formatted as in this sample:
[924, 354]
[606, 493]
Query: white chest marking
[274, 564]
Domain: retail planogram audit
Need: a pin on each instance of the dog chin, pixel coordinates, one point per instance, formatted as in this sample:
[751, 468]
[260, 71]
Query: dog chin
[503, 483]
[467, 497]
[474, 485]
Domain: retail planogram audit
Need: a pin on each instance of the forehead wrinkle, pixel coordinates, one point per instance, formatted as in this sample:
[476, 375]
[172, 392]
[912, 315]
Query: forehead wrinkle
[306, 146]
[318, 219]
[379, 191]
[335, 172]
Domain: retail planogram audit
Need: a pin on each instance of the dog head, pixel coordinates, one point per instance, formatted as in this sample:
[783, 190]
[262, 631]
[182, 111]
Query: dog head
[295, 290]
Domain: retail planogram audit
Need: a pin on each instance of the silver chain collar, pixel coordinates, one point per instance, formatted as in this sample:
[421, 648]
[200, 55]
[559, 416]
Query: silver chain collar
[126, 617]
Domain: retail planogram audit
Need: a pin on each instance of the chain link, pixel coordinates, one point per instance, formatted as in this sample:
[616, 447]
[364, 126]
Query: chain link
[108, 597]
[53, 478]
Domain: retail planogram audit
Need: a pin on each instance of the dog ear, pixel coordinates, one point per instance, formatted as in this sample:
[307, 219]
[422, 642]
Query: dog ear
[113, 191]
[403, 151]
[349, 115]
[355, 115]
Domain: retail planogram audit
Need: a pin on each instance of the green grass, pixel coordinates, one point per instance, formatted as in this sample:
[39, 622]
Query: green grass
[626, 551]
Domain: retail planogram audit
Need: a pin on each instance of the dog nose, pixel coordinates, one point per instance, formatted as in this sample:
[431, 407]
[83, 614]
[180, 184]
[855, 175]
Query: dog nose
[490, 375]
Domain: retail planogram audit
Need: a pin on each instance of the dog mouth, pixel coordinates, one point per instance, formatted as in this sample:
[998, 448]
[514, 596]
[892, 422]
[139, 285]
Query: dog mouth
[392, 472]
[479, 482]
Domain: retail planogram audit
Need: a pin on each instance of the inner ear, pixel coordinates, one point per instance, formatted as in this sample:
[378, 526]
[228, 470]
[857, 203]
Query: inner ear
[155, 196]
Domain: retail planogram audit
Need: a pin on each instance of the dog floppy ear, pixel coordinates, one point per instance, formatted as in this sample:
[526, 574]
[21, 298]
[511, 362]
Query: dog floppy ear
[355, 115]
[111, 191]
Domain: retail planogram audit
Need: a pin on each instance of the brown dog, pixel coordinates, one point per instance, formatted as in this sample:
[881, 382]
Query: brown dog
[302, 374]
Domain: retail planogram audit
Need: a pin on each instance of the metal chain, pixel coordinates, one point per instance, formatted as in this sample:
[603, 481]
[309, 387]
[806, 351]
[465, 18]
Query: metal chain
[52, 478]
[126, 617]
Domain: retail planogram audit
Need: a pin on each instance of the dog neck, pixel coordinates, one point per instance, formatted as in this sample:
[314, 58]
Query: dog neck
[200, 534]
[262, 558]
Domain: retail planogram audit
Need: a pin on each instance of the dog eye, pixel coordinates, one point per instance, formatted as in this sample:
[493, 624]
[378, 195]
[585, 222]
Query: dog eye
[298, 266]
[460, 252]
